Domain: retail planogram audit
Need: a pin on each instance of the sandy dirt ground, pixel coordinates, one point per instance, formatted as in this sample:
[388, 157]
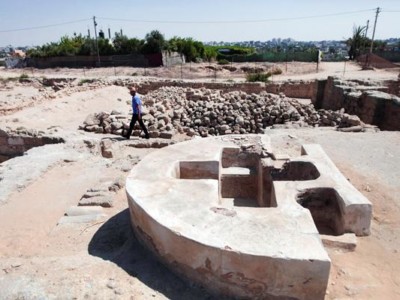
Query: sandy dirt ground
[102, 259]
[214, 72]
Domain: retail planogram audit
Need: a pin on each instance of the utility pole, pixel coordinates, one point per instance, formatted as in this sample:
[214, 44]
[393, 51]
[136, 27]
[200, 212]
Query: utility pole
[97, 44]
[365, 37]
[378, 10]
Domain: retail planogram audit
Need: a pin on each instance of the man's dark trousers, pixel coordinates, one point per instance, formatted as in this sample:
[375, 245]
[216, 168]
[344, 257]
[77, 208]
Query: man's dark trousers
[135, 117]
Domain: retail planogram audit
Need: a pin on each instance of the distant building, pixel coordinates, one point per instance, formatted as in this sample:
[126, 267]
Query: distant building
[18, 53]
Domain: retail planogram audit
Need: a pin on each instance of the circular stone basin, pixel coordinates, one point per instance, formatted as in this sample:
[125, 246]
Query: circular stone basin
[208, 210]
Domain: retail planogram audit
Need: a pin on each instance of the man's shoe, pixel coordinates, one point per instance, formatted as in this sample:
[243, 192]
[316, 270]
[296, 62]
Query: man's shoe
[147, 137]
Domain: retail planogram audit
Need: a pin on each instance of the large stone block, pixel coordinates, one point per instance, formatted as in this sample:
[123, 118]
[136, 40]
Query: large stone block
[255, 237]
[15, 141]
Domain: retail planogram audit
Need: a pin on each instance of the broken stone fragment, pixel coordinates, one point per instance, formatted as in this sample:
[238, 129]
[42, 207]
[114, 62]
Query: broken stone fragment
[91, 194]
[106, 148]
[166, 135]
[84, 210]
[116, 112]
[101, 200]
[346, 241]
[91, 120]
[118, 184]
[351, 129]
[80, 219]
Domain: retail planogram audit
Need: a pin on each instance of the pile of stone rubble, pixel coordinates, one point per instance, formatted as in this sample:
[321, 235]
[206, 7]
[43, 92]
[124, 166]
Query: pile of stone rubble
[207, 112]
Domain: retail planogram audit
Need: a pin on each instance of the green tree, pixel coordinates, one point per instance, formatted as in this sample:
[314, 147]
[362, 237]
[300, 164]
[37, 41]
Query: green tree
[154, 43]
[192, 50]
[105, 47]
[124, 45]
[210, 53]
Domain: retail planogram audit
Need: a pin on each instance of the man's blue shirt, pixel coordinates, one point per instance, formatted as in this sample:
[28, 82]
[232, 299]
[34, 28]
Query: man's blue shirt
[136, 103]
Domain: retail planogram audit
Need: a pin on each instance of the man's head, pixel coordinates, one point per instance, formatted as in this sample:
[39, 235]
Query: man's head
[132, 90]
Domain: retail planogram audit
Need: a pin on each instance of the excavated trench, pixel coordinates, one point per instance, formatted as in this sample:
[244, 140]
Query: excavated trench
[323, 204]
[13, 145]
[375, 103]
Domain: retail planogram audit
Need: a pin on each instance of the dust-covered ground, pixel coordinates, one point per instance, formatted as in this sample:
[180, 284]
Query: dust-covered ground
[41, 258]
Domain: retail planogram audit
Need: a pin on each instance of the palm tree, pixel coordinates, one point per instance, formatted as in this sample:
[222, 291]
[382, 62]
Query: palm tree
[357, 41]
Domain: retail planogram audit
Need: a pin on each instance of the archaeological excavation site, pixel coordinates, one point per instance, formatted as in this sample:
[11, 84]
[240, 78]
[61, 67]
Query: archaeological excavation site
[279, 190]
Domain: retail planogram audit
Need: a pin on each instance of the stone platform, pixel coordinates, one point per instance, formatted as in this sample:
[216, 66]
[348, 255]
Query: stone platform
[222, 213]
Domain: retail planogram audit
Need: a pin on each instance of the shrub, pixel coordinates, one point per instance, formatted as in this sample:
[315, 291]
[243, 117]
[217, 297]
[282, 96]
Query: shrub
[223, 62]
[258, 77]
[83, 81]
[276, 71]
[23, 78]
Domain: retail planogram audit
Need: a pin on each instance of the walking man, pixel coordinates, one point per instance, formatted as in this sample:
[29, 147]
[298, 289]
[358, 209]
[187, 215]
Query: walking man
[136, 115]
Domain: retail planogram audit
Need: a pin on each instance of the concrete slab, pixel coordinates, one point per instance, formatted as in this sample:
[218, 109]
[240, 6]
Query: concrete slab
[264, 245]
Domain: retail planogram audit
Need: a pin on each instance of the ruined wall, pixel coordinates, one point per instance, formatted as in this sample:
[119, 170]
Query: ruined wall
[380, 109]
[249, 88]
[374, 105]
[14, 144]
[172, 59]
[394, 87]
[297, 89]
[294, 89]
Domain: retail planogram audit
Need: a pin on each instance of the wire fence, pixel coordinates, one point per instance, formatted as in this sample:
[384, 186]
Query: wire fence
[186, 71]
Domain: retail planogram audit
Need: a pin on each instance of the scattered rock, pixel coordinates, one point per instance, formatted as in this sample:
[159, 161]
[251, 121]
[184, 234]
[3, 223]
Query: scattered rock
[346, 241]
[205, 112]
[91, 120]
[106, 148]
[80, 219]
[118, 184]
[101, 200]
[82, 210]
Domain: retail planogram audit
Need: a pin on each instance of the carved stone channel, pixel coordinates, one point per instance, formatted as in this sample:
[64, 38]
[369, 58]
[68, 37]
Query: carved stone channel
[223, 213]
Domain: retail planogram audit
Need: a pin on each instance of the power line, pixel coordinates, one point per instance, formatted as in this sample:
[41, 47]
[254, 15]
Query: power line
[237, 21]
[197, 22]
[45, 26]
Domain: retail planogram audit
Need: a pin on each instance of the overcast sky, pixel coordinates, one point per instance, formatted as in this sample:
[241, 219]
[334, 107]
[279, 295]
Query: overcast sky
[206, 20]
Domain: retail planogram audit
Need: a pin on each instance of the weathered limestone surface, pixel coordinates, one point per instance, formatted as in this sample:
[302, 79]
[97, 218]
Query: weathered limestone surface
[242, 247]
[374, 104]
[346, 241]
[14, 175]
[15, 143]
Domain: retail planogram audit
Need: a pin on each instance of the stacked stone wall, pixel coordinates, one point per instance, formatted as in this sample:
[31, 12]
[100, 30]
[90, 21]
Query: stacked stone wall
[299, 89]
[375, 105]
